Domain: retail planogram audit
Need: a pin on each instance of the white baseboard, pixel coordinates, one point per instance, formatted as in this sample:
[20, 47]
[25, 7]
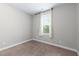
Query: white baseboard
[14, 45]
[57, 45]
[42, 42]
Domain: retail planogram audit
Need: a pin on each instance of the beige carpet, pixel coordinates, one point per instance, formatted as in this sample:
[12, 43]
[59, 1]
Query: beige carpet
[34, 48]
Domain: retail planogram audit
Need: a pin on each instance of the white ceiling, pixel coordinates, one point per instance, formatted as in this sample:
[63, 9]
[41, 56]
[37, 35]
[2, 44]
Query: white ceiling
[33, 8]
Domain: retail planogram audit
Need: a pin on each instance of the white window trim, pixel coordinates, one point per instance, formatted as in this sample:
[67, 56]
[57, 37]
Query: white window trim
[41, 24]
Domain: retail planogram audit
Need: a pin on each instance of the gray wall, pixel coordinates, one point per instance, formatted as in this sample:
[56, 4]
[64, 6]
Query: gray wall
[64, 25]
[78, 27]
[15, 26]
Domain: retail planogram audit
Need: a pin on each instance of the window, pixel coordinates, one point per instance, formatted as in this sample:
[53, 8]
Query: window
[45, 25]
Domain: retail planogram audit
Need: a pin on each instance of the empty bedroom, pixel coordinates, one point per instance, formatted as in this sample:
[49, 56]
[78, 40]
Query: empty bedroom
[39, 29]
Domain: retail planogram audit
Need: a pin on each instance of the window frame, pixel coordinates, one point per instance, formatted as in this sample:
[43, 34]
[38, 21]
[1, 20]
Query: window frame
[41, 23]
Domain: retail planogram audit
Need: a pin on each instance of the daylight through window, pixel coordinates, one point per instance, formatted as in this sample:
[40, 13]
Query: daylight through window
[46, 23]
